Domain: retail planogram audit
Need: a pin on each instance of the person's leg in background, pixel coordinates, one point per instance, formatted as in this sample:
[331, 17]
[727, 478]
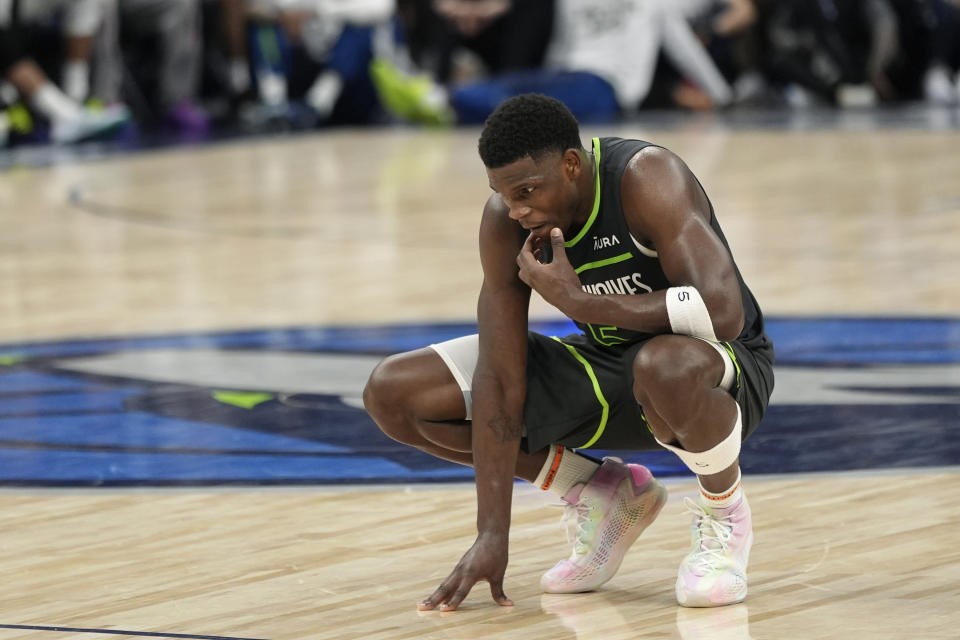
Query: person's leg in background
[588, 96]
[233, 18]
[106, 80]
[81, 22]
[346, 78]
[10, 53]
[69, 120]
[939, 84]
[177, 28]
[688, 54]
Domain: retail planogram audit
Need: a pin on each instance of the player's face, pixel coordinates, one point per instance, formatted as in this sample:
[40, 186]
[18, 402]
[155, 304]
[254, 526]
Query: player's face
[540, 194]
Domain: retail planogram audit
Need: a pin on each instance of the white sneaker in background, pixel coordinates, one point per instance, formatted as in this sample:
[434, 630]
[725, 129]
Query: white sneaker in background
[856, 96]
[89, 123]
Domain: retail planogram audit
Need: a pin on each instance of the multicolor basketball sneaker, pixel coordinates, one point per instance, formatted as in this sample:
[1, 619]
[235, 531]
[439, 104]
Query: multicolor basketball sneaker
[609, 512]
[714, 573]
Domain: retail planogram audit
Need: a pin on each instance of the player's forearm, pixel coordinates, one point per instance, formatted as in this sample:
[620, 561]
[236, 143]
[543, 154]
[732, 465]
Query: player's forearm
[497, 429]
[648, 312]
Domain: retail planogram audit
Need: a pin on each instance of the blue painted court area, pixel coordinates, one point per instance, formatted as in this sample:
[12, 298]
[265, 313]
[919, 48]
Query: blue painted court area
[282, 406]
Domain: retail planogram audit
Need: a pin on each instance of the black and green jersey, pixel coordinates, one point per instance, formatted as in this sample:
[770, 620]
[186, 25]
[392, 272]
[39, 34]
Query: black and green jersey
[609, 260]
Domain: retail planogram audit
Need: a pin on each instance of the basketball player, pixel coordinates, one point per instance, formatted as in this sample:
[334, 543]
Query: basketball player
[621, 238]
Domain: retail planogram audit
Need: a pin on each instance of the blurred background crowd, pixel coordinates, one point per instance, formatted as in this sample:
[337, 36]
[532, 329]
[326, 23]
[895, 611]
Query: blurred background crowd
[75, 70]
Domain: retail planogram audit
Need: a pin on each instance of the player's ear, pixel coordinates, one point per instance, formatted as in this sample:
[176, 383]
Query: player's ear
[572, 163]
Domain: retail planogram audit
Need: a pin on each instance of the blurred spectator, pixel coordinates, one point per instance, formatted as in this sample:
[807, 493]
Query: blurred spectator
[835, 52]
[83, 22]
[310, 61]
[267, 64]
[728, 30]
[601, 61]
[456, 41]
[66, 36]
[233, 20]
[621, 41]
[69, 120]
[916, 23]
[335, 40]
[163, 49]
[941, 82]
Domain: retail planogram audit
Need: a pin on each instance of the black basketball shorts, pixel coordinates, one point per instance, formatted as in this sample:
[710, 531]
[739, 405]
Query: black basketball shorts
[580, 394]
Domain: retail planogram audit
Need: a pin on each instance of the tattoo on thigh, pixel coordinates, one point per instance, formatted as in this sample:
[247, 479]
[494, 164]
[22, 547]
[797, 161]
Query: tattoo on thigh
[506, 429]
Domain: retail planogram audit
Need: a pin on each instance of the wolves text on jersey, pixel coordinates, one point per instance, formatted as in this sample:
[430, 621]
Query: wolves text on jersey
[627, 284]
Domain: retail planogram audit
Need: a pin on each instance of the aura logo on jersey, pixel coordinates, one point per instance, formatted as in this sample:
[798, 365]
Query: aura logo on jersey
[602, 242]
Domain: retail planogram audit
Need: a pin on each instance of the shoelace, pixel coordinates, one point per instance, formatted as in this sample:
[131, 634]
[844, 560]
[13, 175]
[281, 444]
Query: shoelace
[574, 520]
[714, 533]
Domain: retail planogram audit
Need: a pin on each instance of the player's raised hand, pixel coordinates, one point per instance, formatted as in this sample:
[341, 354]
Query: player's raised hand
[559, 248]
[556, 281]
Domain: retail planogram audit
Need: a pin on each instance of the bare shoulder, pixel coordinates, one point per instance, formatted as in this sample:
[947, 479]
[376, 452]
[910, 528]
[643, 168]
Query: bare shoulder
[653, 158]
[496, 219]
[658, 189]
[495, 207]
[654, 170]
[496, 225]
[500, 239]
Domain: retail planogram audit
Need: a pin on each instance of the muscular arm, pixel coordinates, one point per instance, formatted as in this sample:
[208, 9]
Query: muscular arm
[499, 390]
[664, 205]
[499, 382]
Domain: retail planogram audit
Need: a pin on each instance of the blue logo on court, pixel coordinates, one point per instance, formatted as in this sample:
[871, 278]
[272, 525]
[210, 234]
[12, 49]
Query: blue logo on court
[283, 406]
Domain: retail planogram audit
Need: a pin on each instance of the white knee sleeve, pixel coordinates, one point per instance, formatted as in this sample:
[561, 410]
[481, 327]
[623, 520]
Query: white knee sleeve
[688, 313]
[716, 459]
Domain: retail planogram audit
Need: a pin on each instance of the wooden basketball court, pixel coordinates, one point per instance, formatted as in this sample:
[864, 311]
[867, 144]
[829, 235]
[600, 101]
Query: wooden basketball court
[375, 227]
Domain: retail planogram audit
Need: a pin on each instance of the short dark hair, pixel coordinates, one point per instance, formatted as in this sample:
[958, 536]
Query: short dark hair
[527, 125]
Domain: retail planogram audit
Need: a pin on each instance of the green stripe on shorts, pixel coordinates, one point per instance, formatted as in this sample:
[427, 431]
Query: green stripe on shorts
[596, 389]
[736, 365]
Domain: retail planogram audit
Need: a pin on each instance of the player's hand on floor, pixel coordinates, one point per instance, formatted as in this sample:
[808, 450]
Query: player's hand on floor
[486, 561]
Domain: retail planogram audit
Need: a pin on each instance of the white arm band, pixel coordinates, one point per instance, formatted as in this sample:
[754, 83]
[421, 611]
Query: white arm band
[688, 314]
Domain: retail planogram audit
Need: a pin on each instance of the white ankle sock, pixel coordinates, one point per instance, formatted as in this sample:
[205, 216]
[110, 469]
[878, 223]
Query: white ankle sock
[4, 129]
[76, 79]
[324, 92]
[238, 74]
[723, 499]
[563, 469]
[55, 104]
[272, 86]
